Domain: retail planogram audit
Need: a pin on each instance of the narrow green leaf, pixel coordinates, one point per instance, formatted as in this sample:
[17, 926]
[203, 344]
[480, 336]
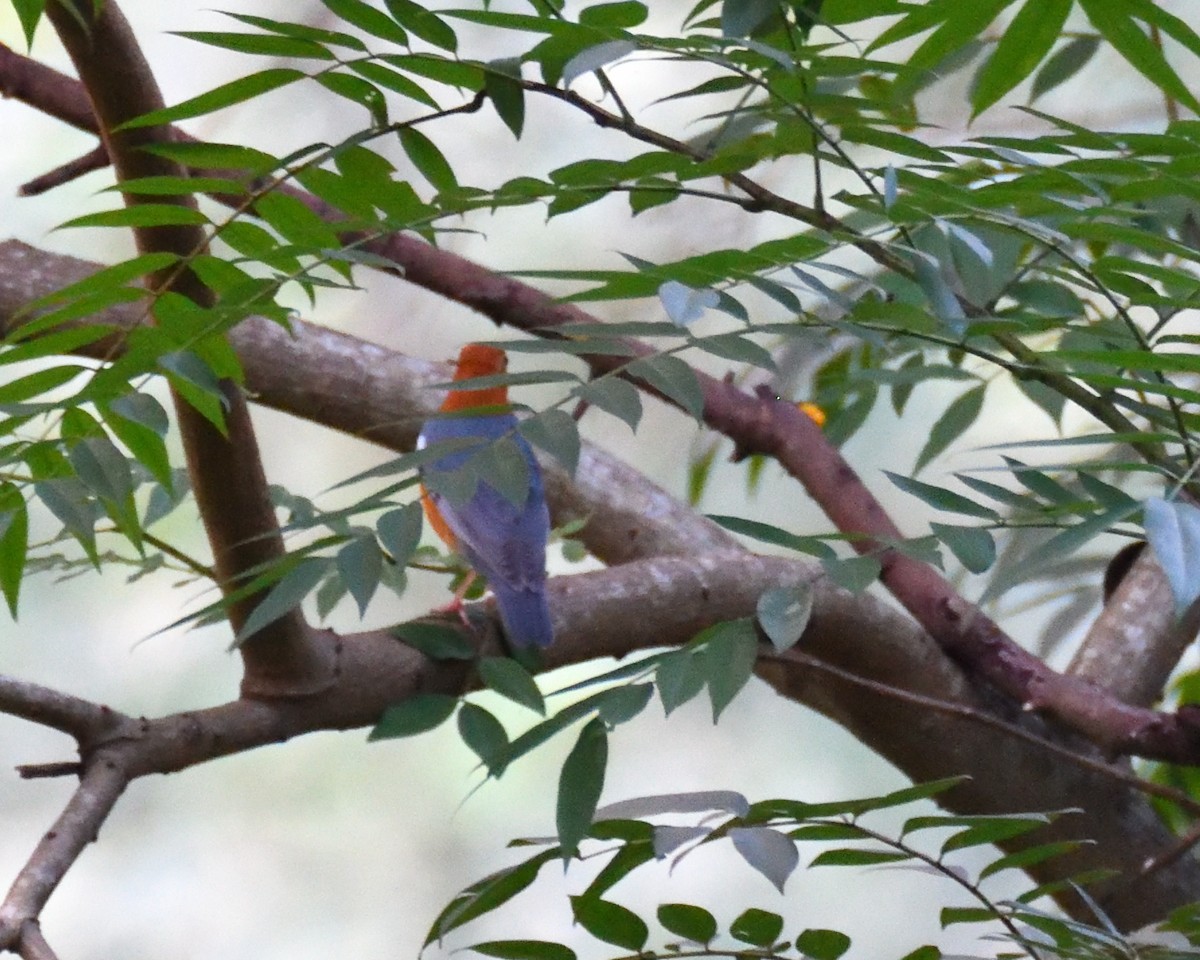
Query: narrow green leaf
[1030, 856]
[485, 896]
[556, 432]
[615, 396]
[941, 498]
[1131, 41]
[847, 857]
[688, 921]
[35, 384]
[579, 788]
[417, 714]
[509, 679]
[524, 950]
[625, 703]
[285, 596]
[400, 532]
[1029, 37]
[360, 565]
[759, 928]
[423, 23]
[438, 641]
[142, 215]
[485, 736]
[611, 923]
[951, 425]
[67, 498]
[428, 159]
[29, 13]
[852, 573]
[679, 677]
[226, 95]
[266, 45]
[14, 543]
[102, 468]
[974, 547]
[673, 378]
[729, 652]
[501, 83]
[1066, 61]
[366, 17]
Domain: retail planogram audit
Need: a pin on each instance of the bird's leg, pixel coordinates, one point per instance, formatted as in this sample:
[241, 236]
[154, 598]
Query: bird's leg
[457, 605]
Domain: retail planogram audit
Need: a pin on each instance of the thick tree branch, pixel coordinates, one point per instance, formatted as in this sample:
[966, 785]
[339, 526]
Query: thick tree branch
[1137, 640]
[376, 394]
[226, 472]
[863, 650]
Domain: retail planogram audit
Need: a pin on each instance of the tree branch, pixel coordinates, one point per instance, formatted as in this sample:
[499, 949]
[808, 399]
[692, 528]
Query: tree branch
[225, 468]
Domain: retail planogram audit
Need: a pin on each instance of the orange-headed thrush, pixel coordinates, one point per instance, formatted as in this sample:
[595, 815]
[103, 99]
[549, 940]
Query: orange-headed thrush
[503, 540]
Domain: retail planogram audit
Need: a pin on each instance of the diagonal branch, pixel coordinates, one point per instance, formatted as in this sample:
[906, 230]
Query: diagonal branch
[225, 468]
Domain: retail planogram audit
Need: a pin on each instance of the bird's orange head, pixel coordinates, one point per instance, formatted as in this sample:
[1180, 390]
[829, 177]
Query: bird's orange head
[477, 360]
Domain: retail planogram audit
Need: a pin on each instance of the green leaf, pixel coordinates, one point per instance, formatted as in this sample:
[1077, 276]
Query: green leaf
[360, 565]
[611, 923]
[102, 468]
[974, 547]
[956, 419]
[729, 652]
[852, 573]
[941, 498]
[485, 736]
[556, 432]
[366, 17]
[1130, 40]
[142, 215]
[417, 714]
[423, 23]
[1029, 37]
[593, 58]
[509, 679]
[1030, 856]
[524, 950]
[226, 95]
[615, 396]
[673, 378]
[14, 543]
[679, 677]
[29, 13]
[773, 535]
[501, 83]
[265, 45]
[1173, 530]
[760, 928]
[357, 90]
[847, 857]
[579, 788]
[485, 896]
[688, 921]
[67, 498]
[784, 612]
[625, 703]
[438, 641]
[820, 944]
[428, 159]
[285, 596]
[1067, 61]
[400, 532]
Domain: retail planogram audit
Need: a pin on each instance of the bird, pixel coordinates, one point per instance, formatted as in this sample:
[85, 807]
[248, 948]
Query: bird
[502, 540]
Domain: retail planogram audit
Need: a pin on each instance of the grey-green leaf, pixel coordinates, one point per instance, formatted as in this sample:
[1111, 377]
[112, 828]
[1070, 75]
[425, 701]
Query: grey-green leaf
[579, 786]
[783, 613]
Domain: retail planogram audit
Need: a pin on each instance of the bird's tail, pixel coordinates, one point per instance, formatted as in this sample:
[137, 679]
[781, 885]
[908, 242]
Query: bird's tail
[526, 617]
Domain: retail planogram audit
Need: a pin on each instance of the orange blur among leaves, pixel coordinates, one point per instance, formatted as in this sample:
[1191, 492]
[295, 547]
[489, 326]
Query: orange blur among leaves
[815, 413]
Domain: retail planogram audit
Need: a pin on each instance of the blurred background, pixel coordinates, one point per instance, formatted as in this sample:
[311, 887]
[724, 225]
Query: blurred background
[332, 846]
